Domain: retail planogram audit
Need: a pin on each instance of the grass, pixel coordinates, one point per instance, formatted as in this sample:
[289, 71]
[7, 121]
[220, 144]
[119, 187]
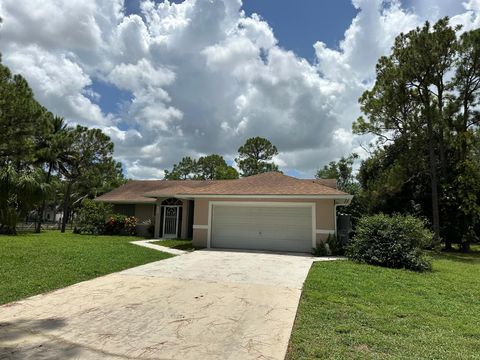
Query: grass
[179, 244]
[31, 264]
[354, 311]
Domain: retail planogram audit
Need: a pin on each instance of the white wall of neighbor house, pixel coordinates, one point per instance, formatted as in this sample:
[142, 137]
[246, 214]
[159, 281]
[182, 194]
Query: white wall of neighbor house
[324, 216]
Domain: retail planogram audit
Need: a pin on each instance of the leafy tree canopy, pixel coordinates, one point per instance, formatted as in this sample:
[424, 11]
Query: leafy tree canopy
[255, 156]
[210, 167]
[426, 123]
[342, 171]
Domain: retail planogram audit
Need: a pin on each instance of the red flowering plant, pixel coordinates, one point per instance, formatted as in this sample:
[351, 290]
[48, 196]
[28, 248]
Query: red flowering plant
[130, 226]
[118, 224]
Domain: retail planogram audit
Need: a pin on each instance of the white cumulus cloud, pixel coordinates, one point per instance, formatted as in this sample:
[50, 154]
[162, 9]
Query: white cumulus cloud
[203, 76]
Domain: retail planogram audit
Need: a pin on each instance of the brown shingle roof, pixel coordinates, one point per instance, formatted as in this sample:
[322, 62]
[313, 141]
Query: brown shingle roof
[272, 183]
[133, 191]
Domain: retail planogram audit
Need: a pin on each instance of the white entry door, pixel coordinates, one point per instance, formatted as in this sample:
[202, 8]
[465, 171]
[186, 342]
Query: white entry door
[278, 228]
[170, 222]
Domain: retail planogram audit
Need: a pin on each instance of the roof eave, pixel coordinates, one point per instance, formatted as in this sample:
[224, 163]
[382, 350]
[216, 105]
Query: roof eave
[345, 199]
[149, 201]
[272, 196]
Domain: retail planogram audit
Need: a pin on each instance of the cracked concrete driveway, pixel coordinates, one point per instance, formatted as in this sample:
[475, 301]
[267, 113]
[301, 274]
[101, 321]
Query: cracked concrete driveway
[202, 305]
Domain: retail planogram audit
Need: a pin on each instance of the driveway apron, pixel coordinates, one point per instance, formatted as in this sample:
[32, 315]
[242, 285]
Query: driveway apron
[202, 305]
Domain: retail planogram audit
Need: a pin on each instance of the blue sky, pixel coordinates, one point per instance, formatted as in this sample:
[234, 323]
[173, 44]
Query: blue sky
[198, 77]
[299, 24]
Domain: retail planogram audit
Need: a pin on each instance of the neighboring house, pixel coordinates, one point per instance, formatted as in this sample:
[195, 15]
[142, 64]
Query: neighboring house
[51, 214]
[269, 211]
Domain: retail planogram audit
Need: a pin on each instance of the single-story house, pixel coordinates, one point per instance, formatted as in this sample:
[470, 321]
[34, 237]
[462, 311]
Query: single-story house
[269, 211]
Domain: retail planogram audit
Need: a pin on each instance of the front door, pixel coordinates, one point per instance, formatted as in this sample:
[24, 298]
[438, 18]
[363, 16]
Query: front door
[170, 222]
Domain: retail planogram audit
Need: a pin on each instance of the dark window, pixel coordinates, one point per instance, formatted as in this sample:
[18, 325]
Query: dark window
[124, 209]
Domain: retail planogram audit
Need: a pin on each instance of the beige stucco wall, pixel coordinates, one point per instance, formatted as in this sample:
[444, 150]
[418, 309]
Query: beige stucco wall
[324, 211]
[200, 212]
[200, 237]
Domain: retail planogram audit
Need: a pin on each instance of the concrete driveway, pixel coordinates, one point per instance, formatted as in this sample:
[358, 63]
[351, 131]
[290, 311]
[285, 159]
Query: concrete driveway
[202, 305]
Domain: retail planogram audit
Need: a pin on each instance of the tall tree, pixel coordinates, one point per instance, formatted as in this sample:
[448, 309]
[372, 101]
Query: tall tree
[255, 156]
[214, 167]
[53, 155]
[464, 187]
[408, 98]
[210, 167]
[22, 120]
[89, 167]
[342, 171]
[186, 169]
[424, 108]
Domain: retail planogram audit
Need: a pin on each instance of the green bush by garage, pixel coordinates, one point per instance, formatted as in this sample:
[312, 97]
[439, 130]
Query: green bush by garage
[391, 241]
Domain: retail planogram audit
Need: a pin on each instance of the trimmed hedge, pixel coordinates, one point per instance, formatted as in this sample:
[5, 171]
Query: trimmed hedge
[391, 241]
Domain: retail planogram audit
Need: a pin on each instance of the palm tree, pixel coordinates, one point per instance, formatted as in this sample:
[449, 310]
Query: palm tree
[19, 190]
[53, 153]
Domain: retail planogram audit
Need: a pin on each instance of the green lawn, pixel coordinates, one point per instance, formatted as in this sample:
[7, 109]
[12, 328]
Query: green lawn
[35, 263]
[178, 244]
[354, 311]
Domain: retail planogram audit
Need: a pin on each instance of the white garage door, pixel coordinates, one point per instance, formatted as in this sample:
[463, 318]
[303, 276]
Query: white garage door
[279, 228]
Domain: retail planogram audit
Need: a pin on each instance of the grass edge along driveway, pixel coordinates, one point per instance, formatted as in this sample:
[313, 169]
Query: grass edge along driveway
[32, 264]
[355, 311]
[178, 244]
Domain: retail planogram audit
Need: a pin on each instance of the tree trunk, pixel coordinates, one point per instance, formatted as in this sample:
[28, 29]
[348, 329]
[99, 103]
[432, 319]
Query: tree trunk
[66, 201]
[465, 248]
[41, 210]
[441, 141]
[448, 245]
[433, 181]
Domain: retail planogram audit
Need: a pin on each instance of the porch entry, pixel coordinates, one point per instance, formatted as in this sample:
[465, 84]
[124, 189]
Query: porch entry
[171, 218]
[170, 222]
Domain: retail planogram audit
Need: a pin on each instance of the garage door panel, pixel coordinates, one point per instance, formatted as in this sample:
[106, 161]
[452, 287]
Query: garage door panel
[282, 228]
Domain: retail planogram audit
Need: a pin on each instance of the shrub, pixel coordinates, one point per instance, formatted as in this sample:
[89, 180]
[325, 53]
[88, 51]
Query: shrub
[91, 217]
[391, 241]
[330, 246]
[151, 230]
[335, 245]
[130, 226]
[322, 249]
[118, 224]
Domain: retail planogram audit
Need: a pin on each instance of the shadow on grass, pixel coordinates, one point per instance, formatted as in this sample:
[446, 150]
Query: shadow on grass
[472, 257]
[178, 244]
[186, 247]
